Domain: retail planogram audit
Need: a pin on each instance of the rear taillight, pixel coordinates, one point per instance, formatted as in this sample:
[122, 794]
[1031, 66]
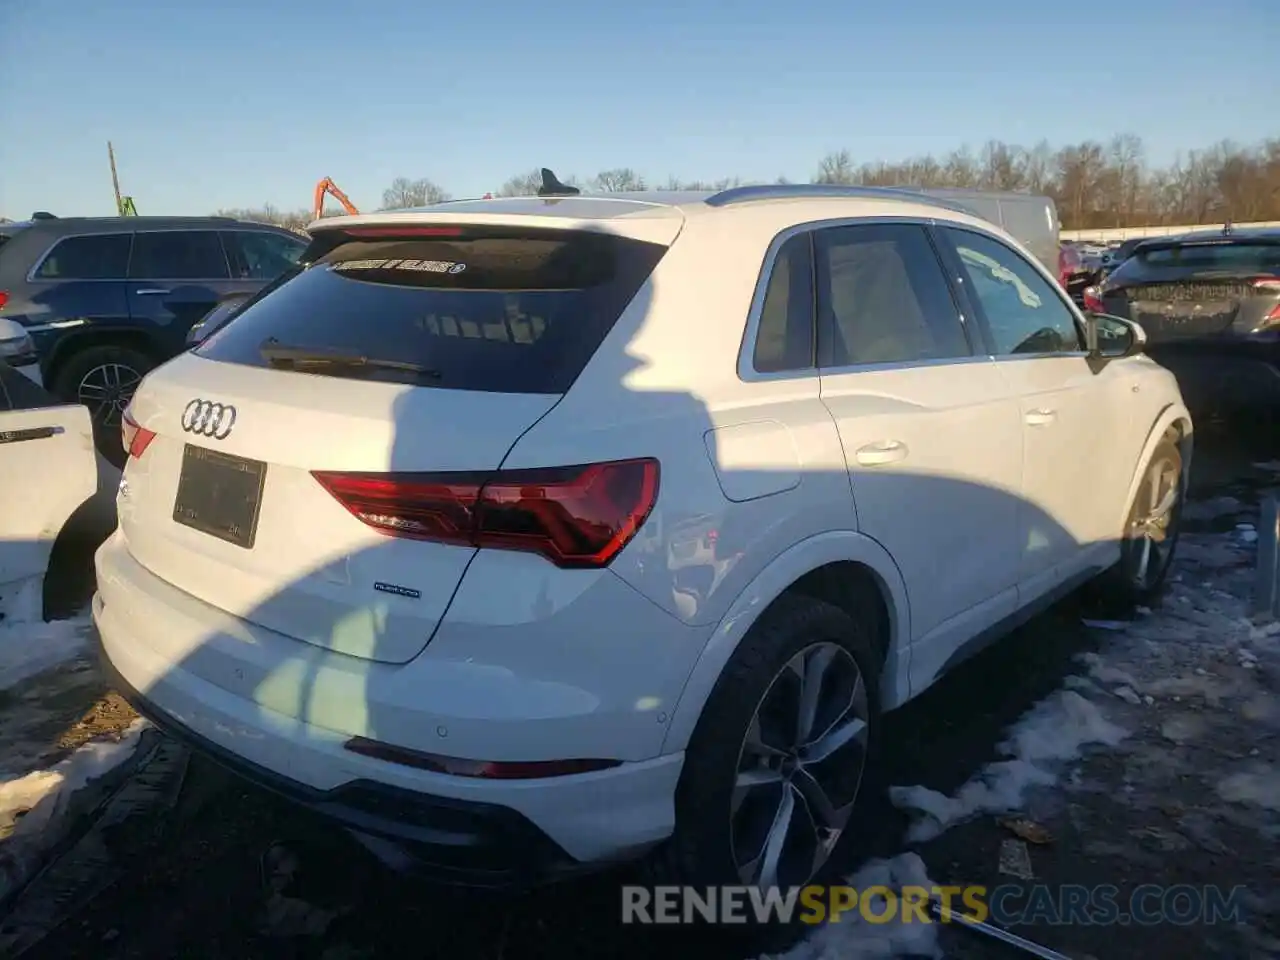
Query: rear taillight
[576, 517]
[1268, 286]
[136, 439]
[1093, 300]
[4, 298]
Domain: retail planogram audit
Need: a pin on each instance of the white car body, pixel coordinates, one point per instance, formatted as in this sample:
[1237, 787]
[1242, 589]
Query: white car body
[972, 491]
[48, 469]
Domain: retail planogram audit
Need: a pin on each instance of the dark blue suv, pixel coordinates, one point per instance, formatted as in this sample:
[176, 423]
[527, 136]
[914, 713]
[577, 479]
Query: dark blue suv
[108, 299]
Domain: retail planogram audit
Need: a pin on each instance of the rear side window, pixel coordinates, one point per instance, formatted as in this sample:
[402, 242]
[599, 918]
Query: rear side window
[1199, 257]
[178, 255]
[883, 298]
[101, 257]
[259, 255]
[495, 310]
[784, 340]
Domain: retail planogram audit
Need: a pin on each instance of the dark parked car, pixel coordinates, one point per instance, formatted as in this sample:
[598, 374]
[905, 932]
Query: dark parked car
[1210, 304]
[108, 299]
[1111, 261]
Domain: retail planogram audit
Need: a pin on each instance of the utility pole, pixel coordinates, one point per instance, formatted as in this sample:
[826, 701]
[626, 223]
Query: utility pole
[115, 180]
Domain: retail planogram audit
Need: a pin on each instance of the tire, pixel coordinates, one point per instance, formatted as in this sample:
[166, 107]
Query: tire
[709, 844]
[1128, 584]
[97, 366]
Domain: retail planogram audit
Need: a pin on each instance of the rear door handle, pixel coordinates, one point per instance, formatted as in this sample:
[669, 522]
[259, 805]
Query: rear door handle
[881, 452]
[1040, 418]
[150, 292]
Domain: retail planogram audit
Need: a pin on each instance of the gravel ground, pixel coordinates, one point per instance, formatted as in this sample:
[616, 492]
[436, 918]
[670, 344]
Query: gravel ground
[1180, 785]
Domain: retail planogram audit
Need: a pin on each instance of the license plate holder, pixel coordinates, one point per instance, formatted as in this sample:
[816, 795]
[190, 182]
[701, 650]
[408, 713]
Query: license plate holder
[220, 495]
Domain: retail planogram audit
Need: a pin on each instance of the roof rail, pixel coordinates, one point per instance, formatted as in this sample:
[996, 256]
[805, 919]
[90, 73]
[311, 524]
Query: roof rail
[816, 191]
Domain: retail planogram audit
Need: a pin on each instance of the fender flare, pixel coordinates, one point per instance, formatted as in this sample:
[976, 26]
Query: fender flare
[1167, 417]
[785, 569]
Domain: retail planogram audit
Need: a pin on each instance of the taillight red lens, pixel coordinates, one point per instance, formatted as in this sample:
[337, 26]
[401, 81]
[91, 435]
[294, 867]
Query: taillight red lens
[576, 517]
[136, 439]
[1092, 301]
[4, 298]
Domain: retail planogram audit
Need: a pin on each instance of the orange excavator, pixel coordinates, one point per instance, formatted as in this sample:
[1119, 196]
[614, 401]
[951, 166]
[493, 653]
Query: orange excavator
[328, 186]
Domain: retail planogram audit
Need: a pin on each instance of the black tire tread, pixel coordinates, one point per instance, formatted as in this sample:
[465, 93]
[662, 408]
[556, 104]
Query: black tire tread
[770, 642]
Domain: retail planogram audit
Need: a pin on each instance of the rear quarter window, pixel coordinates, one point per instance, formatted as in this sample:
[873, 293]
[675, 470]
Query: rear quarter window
[501, 311]
[99, 257]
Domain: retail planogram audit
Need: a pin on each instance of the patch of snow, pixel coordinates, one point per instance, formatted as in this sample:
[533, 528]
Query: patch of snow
[33, 801]
[1265, 631]
[1055, 730]
[1106, 674]
[1107, 624]
[1128, 695]
[853, 938]
[29, 645]
[1259, 786]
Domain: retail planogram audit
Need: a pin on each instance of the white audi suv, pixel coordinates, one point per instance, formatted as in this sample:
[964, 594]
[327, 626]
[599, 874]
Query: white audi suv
[527, 535]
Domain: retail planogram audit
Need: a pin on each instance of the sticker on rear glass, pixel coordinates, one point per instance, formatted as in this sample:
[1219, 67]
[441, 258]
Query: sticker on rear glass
[418, 266]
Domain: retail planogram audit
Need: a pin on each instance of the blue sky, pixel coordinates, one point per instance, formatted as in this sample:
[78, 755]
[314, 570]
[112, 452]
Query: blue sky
[234, 103]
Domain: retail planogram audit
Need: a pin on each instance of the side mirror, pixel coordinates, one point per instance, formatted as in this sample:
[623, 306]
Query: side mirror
[16, 346]
[1109, 337]
[215, 319]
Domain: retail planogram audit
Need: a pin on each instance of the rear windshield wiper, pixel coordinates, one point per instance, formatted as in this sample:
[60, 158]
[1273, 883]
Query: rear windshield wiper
[282, 354]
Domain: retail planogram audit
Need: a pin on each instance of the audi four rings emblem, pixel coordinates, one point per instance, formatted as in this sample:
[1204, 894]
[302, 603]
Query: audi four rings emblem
[208, 419]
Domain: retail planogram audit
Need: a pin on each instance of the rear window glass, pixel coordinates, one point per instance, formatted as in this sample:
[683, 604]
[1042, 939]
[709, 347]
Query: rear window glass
[1249, 257]
[101, 257]
[493, 311]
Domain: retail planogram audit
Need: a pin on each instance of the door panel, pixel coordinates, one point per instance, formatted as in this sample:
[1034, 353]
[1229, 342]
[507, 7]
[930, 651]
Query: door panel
[935, 459]
[175, 278]
[47, 469]
[79, 283]
[1070, 461]
[931, 434]
[1073, 427]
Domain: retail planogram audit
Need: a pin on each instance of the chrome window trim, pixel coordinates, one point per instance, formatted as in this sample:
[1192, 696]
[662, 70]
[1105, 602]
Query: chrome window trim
[746, 353]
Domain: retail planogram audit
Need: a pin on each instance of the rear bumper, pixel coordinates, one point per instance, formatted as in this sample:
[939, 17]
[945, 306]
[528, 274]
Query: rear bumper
[280, 711]
[469, 843]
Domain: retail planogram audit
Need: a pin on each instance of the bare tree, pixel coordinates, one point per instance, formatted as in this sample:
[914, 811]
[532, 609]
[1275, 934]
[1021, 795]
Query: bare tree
[1093, 184]
[404, 193]
[289, 219]
[522, 185]
[528, 184]
[618, 180]
[724, 183]
[837, 168]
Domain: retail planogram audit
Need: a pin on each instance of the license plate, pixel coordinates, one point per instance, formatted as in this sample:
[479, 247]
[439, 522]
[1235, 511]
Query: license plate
[220, 495]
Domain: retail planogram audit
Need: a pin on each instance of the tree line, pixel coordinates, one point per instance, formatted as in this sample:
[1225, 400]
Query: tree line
[1095, 185]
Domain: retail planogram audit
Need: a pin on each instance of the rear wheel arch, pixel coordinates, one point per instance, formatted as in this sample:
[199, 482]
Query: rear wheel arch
[73, 345]
[843, 568]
